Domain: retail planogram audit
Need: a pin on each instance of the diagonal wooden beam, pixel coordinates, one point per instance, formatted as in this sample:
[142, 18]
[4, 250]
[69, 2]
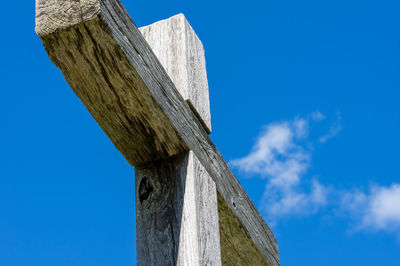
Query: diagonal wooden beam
[112, 69]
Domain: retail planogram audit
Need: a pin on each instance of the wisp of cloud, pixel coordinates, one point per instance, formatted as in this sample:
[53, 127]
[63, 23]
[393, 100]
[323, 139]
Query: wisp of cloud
[378, 210]
[279, 158]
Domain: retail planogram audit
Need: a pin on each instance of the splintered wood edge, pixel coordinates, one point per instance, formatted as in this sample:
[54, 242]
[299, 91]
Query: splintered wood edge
[120, 28]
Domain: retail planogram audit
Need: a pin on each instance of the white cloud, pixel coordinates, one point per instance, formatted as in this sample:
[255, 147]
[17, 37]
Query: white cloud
[334, 130]
[282, 157]
[279, 157]
[300, 127]
[278, 203]
[379, 210]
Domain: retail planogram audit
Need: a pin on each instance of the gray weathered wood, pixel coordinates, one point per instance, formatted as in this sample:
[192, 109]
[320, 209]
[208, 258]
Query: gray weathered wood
[207, 215]
[188, 225]
[176, 213]
[53, 15]
[181, 53]
[160, 196]
[113, 70]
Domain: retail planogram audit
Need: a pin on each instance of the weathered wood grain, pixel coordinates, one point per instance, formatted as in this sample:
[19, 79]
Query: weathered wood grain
[160, 198]
[181, 53]
[113, 92]
[236, 247]
[176, 221]
[130, 93]
[207, 215]
[53, 15]
[193, 200]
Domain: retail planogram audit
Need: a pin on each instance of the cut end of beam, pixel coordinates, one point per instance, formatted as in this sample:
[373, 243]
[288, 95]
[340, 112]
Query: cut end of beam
[54, 15]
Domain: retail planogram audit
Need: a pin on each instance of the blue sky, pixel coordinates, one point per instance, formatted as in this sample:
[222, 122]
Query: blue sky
[305, 108]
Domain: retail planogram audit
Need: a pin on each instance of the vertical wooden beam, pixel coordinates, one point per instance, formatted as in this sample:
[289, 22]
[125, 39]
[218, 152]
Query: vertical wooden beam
[176, 199]
[181, 53]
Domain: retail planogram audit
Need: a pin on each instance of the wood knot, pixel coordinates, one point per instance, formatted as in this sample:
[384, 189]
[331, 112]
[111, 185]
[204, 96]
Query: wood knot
[145, 189]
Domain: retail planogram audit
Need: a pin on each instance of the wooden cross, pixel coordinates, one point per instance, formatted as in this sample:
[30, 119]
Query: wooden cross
[147, 89]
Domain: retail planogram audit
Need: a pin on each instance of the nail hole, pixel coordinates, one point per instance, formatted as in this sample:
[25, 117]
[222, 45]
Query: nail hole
[145, 189]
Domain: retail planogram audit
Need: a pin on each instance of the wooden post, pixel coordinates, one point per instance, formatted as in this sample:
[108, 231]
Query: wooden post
[113, 70]
[176, 199]
[176, 213]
